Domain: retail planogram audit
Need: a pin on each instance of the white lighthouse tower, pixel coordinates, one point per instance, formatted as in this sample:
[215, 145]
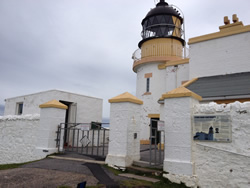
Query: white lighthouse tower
[163, 42]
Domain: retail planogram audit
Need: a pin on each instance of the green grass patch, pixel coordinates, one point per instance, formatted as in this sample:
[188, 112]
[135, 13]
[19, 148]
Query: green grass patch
[164, 182]
[135, 183]
[14, 165]
[10, 166]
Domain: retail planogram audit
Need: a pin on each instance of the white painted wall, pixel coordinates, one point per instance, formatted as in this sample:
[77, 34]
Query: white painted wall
[18, 138]
[178, 135]
[161, 82]
[220, 56]
[150, 102]
[215, 164]
[175, 75]
[88, 108]
[124, 122]
[48, 126]
[225, 164]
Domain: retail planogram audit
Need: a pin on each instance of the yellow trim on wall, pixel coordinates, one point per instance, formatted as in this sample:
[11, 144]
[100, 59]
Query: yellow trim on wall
[154, 59]
[145, 142]
[160, 145]
[148, 75]
[53, 104]
[226, 30]
[147, 93]
[154, 115]
[125, 97]
[189, 82]
[233, 26]
[181, 92]
[173, 63]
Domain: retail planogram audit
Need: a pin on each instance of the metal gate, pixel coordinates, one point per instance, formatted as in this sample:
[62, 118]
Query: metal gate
[156, 147]
[84, 138]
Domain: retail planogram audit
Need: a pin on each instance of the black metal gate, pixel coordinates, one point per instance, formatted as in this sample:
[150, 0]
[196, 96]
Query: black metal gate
[156, 147]
[84, 138]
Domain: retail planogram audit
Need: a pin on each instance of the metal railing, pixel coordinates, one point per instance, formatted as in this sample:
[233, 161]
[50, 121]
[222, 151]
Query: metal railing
[83, 138]
[175, 51]
[156, 147]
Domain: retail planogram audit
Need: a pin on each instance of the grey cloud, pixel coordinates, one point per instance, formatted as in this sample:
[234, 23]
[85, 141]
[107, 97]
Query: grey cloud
[85, 46]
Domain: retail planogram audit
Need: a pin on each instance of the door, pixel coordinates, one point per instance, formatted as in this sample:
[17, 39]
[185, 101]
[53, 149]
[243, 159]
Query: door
[69, 119]
[72, 113]
[155, 134]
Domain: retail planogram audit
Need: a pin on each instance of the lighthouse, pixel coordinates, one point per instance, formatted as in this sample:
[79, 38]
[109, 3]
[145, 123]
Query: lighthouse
[162, 44]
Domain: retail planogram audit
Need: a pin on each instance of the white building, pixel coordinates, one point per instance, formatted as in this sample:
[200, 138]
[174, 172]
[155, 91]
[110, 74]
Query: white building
[81, 108]
[217, 69]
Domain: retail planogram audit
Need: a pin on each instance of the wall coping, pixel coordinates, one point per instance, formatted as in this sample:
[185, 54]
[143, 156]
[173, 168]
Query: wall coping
[173, 63]
[181, 92]
[53, 104]
[226, 30]
[125, 97]
[189, 82]
[153, 115]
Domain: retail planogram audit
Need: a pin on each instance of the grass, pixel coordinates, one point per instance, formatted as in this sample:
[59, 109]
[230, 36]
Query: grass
[11, 166]
[164, 182]
[14, 165]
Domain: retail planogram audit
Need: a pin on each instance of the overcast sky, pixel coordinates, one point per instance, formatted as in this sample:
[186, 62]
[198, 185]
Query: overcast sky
[85, 46]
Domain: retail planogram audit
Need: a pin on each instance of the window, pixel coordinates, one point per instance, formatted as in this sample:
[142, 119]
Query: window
[19, 110]
[148, 82]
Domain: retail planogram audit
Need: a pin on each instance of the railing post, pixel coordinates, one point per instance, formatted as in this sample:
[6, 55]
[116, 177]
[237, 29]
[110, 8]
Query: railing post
[103, 142]
[61, 142]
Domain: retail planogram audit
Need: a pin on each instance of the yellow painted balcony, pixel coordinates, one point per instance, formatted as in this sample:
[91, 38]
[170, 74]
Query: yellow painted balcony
[159, 52]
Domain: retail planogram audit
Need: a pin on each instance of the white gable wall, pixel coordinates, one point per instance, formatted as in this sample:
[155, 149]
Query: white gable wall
[88, 108]
[220, 56]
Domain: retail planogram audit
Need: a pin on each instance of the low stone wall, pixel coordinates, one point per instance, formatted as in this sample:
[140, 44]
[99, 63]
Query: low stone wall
[220, 164]
[18, 138]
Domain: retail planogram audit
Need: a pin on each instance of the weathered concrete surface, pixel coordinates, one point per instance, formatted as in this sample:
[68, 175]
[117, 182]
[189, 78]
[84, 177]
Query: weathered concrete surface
[47, 173]
[34, 177]
[18, 138]
[225, 164]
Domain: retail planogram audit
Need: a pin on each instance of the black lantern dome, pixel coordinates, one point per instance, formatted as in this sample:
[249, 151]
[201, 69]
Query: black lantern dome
[163, 21]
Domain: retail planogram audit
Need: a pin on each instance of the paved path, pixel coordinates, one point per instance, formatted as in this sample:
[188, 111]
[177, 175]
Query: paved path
[52, 172]
[47, 173]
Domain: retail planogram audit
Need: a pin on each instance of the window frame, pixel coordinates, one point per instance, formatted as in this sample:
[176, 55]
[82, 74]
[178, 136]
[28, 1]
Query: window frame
[19, 108]
[148, 85]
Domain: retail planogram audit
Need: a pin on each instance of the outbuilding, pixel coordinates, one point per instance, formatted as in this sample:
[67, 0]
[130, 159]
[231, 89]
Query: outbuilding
[81, 108]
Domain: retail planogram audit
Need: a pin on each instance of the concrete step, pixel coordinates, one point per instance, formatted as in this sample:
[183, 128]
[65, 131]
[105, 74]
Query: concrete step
[77, 159]
[147, 164]
[133, 176]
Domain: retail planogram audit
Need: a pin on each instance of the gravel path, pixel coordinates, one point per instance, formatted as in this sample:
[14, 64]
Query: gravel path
[47, 173]
[35, 177]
